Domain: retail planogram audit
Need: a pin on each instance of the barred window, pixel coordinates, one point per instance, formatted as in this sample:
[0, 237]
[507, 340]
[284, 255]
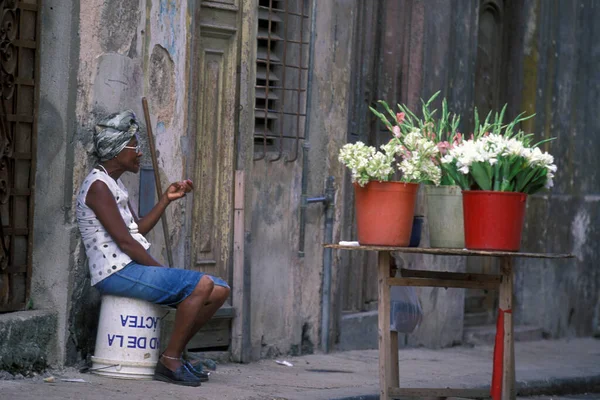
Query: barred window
[281, 78]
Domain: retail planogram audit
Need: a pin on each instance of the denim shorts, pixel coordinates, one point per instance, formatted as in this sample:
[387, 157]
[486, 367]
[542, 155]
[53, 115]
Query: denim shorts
[158, 285]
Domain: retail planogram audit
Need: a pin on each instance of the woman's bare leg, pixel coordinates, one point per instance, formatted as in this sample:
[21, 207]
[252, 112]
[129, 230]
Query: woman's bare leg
[185, 321]
[218, 296]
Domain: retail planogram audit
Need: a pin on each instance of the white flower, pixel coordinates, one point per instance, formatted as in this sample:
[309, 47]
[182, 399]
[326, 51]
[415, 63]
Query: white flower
[417, 165]
[496, 149]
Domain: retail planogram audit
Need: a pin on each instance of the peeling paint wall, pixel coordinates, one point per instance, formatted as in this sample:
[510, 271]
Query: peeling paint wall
[110, 54]
[119, 51]
[130, 49]
[286, 289]
[563, 297]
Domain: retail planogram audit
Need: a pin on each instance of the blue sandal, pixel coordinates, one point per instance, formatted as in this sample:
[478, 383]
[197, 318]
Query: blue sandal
[181, 376]
[197, 370]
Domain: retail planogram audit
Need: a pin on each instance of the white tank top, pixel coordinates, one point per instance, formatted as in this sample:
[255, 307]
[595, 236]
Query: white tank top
[104, 256]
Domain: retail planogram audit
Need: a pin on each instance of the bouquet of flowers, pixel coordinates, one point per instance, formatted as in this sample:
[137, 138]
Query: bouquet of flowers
[443, 133]
[499, 158]
[412, 154]
[366, 163]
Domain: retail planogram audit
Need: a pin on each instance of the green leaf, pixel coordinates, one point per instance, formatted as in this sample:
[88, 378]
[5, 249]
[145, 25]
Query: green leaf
[517, 164]
[382, 117]
[523, 180]
[497, 178]
[476, 122]
[538, 144]
[388, 109]
[482, 175]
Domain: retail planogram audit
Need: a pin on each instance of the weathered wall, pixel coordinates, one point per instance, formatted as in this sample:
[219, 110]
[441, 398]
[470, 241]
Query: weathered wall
[404, 52]
[115, 53]
[441, 59]
[54, 236]
[286, 289]
[561, 83]
[129, 50]
[539, 57]
[119, 51]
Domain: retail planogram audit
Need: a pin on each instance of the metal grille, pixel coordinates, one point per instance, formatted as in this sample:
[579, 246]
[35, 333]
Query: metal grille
[281, 78]
[19, 80]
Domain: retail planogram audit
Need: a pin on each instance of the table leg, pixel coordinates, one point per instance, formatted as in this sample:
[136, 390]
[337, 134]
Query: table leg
[383, 310]
[395, 374]
[505, 305]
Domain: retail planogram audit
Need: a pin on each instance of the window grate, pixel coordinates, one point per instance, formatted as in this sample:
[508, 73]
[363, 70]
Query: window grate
[281, 78]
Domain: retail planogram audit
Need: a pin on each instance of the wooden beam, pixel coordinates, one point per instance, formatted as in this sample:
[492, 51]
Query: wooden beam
[441, 393]
[445, 283]
[12, 307]
[383, 320]
[449, 252]
[506, 304]
[395, 378]
[416, 273]
[237, 326]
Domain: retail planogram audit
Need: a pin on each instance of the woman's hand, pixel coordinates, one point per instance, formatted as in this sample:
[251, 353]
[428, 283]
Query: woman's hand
[178, 190]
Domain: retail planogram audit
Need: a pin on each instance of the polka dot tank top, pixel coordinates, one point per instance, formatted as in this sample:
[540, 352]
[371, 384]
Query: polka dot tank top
[104, 256]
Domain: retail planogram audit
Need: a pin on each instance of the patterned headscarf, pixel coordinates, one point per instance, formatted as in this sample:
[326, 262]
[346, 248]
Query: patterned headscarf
[113, 133]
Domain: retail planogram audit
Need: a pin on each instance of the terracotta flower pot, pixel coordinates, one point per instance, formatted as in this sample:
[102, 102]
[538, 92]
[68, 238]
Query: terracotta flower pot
[445, 216]
[384, 212]
[493, 220]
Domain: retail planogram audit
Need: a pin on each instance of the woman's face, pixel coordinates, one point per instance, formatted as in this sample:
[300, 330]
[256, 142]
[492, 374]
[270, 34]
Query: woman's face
[130, 156]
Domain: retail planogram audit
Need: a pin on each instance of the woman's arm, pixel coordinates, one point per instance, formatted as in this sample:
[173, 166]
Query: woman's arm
[175, 191]
[102, 202]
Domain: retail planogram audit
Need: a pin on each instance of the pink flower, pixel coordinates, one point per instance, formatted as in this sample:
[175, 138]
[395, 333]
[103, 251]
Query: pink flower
[396, 131]
[443, 147]
[458, 139]
[406, 154]
[400, 117]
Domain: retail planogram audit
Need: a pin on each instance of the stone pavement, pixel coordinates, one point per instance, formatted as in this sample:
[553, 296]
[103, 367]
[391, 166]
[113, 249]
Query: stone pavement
[546, 366]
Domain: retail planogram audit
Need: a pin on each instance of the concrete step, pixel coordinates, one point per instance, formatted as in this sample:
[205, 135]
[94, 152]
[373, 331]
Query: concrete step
[27, 340]
[485, 334]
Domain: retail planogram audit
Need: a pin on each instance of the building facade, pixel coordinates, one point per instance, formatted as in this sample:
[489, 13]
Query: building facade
[252, 100]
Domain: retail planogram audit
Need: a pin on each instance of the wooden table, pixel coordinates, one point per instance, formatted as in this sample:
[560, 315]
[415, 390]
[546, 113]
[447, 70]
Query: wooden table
[503, 376]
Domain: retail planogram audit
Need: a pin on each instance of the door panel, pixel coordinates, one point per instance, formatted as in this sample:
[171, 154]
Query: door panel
[216, 52]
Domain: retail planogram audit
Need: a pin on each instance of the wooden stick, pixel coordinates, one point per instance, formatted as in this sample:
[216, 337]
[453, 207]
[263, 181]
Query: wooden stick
[445, 283]
[157, 177]
[395, 365]
[237, 325]
[464, 276]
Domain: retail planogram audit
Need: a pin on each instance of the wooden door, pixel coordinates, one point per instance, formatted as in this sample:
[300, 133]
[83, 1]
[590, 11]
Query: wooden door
[215, 59]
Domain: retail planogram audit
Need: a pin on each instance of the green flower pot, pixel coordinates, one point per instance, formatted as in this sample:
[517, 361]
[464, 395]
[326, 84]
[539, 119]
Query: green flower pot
[445, 216]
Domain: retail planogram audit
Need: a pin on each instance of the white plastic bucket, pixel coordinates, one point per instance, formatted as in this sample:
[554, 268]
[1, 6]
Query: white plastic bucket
[128, 340]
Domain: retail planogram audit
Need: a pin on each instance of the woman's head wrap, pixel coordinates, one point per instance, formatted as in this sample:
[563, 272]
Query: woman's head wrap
[113, 133]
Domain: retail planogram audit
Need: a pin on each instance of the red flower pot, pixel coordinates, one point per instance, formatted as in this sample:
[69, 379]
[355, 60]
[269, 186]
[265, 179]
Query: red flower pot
[384, 212]
[493, 220]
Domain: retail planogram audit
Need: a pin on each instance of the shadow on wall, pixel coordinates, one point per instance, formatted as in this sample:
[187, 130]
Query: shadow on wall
[83, 316]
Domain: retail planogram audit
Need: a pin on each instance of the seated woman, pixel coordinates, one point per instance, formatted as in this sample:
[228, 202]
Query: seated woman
[115, 245]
